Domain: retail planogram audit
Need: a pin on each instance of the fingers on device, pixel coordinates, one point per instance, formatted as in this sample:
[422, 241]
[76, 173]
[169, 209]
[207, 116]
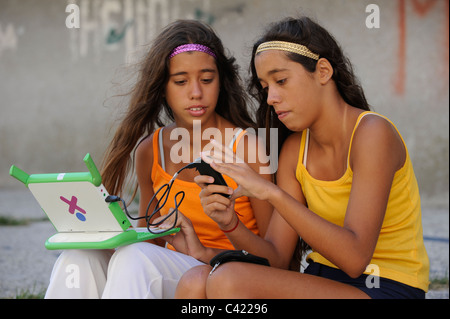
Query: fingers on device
[79, 208]
[205, 169]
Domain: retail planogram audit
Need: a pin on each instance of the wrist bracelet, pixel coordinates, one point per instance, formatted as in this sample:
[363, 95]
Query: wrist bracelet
[229, 231]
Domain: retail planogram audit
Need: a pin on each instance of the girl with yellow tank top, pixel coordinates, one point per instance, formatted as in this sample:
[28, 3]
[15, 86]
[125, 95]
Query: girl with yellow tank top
[345, 183]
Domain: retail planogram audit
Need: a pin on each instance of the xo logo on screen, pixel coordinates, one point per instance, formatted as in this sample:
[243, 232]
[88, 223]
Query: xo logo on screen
[74, 208]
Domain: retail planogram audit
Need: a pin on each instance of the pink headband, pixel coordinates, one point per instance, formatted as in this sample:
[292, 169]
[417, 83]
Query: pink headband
[191, 47]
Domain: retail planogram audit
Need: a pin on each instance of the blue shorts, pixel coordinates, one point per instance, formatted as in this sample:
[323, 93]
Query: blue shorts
[388, 289]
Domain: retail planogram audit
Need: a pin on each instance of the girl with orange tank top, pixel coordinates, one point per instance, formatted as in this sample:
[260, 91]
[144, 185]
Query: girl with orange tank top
[185, 77]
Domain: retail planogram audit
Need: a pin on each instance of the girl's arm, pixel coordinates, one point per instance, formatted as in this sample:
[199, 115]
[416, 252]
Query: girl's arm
[280, 240]
[186, 240]
[377, 153]
[253, 152]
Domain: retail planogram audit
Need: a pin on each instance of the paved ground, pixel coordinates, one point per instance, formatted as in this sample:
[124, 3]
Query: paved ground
[25, 264]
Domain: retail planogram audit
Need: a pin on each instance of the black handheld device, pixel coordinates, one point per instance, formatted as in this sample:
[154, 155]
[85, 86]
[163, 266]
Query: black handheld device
[205, 169]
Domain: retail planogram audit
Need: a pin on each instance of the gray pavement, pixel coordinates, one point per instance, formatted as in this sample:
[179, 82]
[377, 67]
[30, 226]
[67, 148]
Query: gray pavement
[25, 264]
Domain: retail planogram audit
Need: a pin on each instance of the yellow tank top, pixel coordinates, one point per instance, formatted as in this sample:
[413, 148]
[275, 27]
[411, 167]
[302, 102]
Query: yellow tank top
[207, 230]
[400, 252]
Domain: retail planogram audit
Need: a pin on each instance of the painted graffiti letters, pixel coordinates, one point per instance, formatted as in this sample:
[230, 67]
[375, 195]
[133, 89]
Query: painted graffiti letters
[104, 25]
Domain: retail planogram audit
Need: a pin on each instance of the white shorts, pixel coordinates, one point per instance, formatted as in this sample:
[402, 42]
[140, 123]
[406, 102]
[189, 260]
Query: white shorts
[140, 271]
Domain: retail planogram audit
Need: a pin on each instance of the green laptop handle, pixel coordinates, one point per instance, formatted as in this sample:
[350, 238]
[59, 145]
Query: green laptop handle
[93, 175]
[18, 174]
[96, 177]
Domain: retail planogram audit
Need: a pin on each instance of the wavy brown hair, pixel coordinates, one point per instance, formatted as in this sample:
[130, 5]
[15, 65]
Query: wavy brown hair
[148, 110]
[306, 32]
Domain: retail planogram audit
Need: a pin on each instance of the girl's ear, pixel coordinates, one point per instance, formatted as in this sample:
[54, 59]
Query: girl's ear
[324, 70]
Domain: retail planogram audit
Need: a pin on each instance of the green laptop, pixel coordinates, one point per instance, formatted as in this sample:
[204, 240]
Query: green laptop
[75, 204]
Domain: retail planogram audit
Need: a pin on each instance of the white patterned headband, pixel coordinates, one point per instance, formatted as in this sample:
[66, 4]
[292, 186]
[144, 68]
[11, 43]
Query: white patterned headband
[192, 47]
[287, 46]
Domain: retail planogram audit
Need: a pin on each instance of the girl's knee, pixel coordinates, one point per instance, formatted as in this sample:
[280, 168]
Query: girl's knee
[225, 281]
[192, 284]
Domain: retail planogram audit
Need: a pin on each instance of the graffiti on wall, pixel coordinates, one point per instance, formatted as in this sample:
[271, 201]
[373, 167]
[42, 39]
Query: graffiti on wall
[421, 8]
[103, 25]
[96, 26]
[136, 22]
[8, 38]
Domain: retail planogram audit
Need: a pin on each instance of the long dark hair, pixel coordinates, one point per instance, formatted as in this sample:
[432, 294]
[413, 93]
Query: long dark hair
[148, 109]
[306, 32]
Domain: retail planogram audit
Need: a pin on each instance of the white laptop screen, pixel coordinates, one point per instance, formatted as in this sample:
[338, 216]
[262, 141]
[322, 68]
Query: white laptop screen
[75, 206]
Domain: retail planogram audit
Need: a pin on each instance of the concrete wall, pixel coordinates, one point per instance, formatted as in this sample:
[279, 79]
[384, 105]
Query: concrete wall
[56, 83]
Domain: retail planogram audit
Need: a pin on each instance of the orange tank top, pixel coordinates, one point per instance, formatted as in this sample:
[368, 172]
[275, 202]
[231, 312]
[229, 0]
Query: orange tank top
[207, 230]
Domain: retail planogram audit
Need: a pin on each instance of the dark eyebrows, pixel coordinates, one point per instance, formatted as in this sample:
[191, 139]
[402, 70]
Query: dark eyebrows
[208, 71]
[272, 72]
[201, 71]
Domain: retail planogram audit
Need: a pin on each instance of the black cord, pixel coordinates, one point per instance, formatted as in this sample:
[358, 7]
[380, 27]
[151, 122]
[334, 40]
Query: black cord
[167, 187]
[159, 206]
